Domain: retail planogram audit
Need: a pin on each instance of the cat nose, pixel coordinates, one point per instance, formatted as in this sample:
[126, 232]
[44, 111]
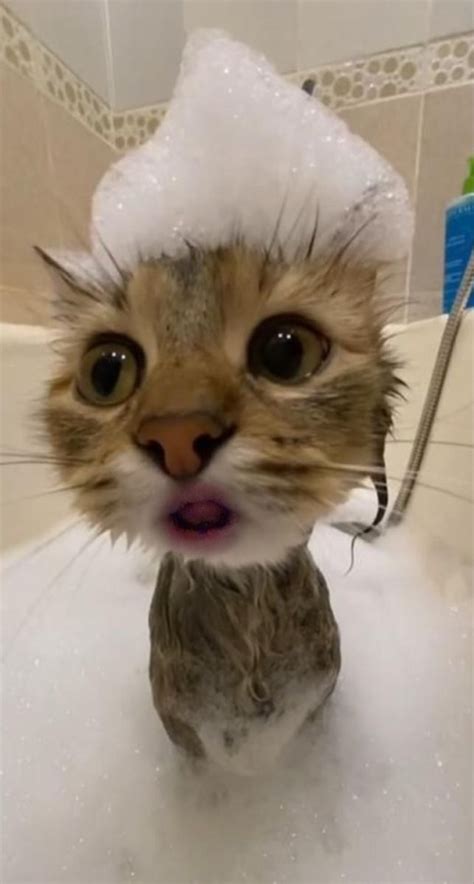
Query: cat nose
[182, 445]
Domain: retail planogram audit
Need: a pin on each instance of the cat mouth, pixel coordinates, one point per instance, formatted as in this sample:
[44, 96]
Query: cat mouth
[199, 516]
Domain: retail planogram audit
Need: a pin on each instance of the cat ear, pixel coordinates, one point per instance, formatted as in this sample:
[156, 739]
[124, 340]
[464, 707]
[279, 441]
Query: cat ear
[77, 280]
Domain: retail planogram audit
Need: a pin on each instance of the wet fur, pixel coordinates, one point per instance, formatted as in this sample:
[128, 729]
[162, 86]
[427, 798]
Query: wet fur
[257, 616]
[237, 653]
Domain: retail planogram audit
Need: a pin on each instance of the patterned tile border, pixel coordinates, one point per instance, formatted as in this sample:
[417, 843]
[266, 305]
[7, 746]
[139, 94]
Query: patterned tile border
[442, 63]
[58, 82]
[133, 127]
[24, 53]
[367, 79]
[449, 62]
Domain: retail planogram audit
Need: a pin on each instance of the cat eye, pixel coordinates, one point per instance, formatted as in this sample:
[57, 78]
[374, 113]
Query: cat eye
[110, 371]
[286, 350]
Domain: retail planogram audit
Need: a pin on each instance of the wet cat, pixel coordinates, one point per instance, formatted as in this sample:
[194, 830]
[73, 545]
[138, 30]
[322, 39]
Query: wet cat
[214, 406]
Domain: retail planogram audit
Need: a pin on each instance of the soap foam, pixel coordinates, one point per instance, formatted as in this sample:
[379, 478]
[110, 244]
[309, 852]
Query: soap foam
[377, 789]
[244, 153]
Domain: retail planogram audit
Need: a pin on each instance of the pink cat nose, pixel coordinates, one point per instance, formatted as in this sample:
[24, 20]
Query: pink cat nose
[182, 445]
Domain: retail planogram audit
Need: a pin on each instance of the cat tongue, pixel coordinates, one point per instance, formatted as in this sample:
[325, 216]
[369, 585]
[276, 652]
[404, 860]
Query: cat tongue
[202, 511]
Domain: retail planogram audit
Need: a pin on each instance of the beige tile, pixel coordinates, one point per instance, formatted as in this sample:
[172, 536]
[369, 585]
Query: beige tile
[423, 305]
[145, 65]
[27, 208]
[337, 30]
[447, 140]
[78, 159]
[392, 128]
[451, 17]
[75, 30]
[391, 292]
[49, 167]
[25, 306]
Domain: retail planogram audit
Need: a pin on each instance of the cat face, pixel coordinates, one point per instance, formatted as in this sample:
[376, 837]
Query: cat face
[219, 404]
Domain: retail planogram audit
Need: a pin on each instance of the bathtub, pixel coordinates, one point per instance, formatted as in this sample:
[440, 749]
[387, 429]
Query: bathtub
[379, 790]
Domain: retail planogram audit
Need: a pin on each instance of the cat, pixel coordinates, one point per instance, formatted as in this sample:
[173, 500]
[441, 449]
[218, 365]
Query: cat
[214, 406]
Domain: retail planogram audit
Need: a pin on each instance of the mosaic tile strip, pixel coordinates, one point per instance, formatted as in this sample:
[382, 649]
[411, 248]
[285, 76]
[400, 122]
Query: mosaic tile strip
[132, 127]
[369, 79]
[59, 83]
[442, 63]
[450, 62]
[18, 48]
[23, 52]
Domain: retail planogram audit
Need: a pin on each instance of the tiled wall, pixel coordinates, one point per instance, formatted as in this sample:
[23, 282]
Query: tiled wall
[428, 138]
[416, 106]
[106, 42]
[446, 139]
[49, 166]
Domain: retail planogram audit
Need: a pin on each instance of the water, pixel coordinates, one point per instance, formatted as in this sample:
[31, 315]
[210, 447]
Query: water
[378, 789]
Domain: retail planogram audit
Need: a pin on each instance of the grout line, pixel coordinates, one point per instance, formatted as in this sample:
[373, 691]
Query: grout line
[428, 22]
[416, 179]
[140, 108]
[419, 139]
[416, 93]
[386, 99]
[421, 50]
[109, 58]
[48, 144]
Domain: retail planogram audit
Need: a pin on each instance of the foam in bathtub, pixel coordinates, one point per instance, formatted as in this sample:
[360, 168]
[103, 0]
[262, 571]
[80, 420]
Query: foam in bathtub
[244, 153]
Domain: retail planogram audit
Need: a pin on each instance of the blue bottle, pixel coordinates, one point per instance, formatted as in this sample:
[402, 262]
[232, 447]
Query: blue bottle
[459, 241]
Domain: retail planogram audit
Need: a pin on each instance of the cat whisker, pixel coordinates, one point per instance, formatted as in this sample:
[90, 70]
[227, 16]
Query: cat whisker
[375, 469]
[440, 417]
[44, 544]
[386, 311]
[47, 590]
[447, 442]
[41, 462]
[88, 564]
[10, 457]
[85, 245]
[89, 291]
[314, 233]
[276, 231]
[365, 472]
[47, 493]
[337, 257]
[299, 217]
[119, 291]
[44, 455]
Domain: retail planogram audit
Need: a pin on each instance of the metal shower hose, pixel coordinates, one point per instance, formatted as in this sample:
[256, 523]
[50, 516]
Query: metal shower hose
[433, 395]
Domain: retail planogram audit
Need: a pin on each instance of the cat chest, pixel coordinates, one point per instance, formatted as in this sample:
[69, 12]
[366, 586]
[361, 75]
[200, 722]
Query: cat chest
[248, 744]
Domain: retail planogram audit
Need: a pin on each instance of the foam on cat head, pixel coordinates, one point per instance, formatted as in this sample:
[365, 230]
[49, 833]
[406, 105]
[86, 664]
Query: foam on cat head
[243, 153]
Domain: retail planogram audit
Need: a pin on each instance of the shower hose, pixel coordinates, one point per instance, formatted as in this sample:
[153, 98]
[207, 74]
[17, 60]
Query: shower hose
[433, 395]
[428, 414]
[432, 398]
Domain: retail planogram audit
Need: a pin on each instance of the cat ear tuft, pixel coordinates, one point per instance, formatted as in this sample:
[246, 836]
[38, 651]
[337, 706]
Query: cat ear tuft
[77, 281]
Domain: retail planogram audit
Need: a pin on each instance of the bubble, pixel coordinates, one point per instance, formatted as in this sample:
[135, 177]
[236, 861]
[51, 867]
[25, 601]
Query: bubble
[222, 158]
